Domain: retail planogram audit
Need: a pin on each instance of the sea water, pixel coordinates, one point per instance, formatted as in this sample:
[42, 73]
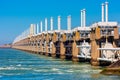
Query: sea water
[20, 65]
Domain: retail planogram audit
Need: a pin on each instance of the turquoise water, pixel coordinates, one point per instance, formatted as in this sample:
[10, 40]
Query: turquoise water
[19, 65]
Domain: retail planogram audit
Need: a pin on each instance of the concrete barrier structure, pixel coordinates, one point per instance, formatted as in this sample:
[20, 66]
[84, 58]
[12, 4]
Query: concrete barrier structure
[96, 43]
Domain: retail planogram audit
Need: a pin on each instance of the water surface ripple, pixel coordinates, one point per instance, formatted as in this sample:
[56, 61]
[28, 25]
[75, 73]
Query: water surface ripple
[20, 65]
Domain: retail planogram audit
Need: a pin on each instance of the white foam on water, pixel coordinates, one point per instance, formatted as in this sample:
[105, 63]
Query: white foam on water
[38, 70]
[7, 68]
[70, 71]
[86, 71]
[55, 69]
[41, 70]
[19, 65]
[60, 72]
[14, 68]
[24, 68]
[9, 74]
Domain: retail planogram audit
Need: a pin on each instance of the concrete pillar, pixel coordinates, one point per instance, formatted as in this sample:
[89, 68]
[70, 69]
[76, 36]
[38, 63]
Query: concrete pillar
[53, 50]
[95, 53]
[54, 38]
[114, 44]
[75, 51]
[62, 51]
[41, 47]
[37, 50]
[116, 33]
[97, 33]
[46, 53]
[77, 36]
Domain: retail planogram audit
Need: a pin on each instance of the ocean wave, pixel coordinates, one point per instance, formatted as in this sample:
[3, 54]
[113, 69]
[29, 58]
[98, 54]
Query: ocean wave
[41, 70]
[55, 69]
[38, 70]
[14, 68]
[19, 65]
[70, 71]
[7, 68]
[9, 74]
[59, 72]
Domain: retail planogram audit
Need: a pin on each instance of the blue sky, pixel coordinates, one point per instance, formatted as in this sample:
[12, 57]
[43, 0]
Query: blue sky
[17, 15]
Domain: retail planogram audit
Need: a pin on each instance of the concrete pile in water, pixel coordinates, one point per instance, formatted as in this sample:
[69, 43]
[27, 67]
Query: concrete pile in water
[113, 69]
